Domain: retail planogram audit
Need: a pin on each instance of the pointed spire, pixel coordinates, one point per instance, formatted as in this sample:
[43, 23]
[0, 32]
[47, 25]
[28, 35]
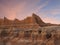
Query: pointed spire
[5, 19]
[16, 20]
[37, 19]
[33, 14]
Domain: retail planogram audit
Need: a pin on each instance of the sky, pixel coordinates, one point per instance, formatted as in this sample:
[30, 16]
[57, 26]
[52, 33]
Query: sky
[47, 10]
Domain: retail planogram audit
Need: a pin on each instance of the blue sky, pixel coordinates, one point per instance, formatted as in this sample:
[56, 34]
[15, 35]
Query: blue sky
[48, 10]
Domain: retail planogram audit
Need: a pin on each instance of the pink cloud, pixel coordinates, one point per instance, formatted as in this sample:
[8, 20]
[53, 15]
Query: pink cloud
[11, 12]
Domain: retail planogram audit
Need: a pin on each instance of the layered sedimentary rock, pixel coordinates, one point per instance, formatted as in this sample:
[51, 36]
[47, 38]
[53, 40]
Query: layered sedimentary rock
[30, 22]
[30, 31]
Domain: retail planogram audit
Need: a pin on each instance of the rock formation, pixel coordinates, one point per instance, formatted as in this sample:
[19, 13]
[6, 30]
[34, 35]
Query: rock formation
[29, 21]
[30, 31]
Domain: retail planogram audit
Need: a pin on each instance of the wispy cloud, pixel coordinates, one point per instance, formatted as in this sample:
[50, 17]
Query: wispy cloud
[51, 20]
[51, 12]
[38, 8]
[50, 16]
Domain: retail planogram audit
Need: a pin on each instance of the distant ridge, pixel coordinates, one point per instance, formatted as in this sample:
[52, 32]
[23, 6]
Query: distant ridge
[30, 22]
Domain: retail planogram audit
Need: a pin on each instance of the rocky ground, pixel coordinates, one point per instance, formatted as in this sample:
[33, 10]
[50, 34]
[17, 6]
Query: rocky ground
[43, 36]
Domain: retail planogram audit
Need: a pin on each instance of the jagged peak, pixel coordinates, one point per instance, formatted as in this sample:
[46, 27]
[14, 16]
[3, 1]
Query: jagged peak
[16, 20]
[5, 18]
[37, 17]
[34, 19]
[33, 14]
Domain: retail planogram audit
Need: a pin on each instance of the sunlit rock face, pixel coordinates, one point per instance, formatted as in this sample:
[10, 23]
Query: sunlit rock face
[29, 22]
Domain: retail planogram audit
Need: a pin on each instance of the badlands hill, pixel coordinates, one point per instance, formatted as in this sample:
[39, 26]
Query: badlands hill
[28, 22]
[30, 31]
